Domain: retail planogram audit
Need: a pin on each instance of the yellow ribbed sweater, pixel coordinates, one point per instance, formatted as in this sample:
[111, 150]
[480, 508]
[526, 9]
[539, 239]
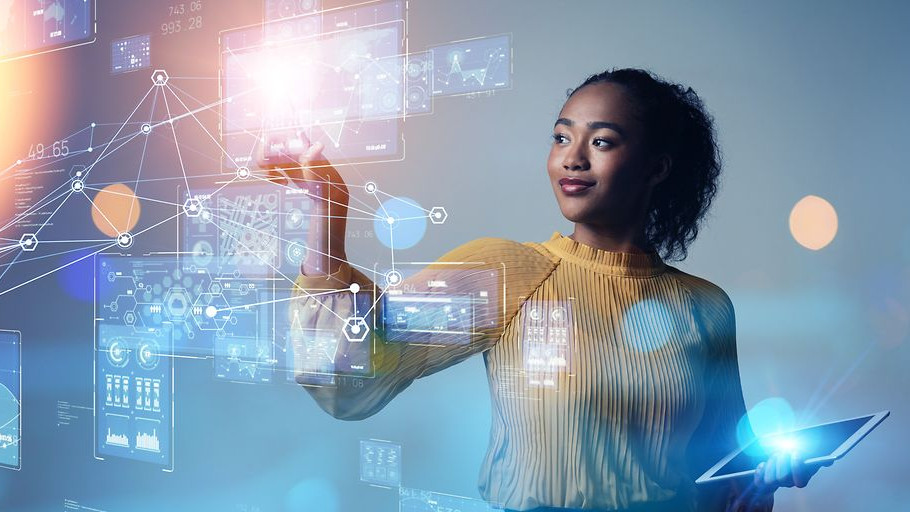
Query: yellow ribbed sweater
[650, 399]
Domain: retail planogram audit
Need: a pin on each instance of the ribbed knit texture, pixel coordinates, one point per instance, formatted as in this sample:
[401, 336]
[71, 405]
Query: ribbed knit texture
[650, 397]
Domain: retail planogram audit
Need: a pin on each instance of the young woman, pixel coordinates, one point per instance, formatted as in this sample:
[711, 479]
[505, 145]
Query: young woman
[651, 395]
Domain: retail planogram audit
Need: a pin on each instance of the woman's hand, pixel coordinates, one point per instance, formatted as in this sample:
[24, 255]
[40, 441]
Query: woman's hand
[328, 221]
[780, 470]
[784, 470]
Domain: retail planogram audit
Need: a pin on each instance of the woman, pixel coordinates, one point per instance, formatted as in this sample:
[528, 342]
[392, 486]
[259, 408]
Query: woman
[650, 396]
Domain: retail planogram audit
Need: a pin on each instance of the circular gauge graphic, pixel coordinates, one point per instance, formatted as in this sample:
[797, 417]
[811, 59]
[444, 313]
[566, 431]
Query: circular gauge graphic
[203, 253]
[294, 219]
[417, 97]
[296, 253]
[559, 314]
[287, 9]
[118, 353]
[147, 355]
[390, 101]
[416, 69]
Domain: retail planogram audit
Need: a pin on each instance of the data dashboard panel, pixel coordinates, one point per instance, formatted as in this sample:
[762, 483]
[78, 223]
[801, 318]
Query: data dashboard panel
[320, 77]
[472, 66]
[29, 27]
[10, 399]
[255, 228]
[448, 307]
[134, 401]
[209, 314]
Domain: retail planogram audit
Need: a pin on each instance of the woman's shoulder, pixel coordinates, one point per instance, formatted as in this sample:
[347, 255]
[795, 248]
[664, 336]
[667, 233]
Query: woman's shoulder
[709, 296]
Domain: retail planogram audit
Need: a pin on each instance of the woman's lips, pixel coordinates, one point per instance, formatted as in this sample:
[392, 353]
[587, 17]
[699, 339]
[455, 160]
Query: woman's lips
[574, 186]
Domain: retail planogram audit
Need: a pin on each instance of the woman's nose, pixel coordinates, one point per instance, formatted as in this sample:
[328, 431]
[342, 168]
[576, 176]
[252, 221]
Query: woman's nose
[575, 160]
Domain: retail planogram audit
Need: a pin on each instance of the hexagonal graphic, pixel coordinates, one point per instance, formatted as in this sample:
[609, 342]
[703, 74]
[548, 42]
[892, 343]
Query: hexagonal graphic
[211, 311]
[177, 303]
[356, 329]
[28, 242]
[438, 215]
[159, 77]
[192, 207]
[129, 318]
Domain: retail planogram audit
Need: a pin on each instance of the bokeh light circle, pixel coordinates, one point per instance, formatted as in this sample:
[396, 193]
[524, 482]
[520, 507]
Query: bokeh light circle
[770, 416]
[408, 226]
[657, 334]
[116, 210]
[813, 222]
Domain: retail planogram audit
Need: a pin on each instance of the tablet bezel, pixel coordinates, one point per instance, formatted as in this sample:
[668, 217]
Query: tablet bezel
[840, 451]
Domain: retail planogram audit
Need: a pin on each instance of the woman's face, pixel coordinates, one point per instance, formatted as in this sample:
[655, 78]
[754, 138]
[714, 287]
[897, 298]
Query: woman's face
[599, 165]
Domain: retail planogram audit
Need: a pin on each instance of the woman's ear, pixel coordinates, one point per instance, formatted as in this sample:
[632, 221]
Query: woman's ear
[661, 170]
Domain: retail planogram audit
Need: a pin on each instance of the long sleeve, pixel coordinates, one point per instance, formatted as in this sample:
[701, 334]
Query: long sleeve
[510, 269]
[716, 435]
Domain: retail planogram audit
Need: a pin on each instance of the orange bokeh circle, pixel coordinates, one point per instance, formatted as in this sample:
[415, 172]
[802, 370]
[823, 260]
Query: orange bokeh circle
[115, 209]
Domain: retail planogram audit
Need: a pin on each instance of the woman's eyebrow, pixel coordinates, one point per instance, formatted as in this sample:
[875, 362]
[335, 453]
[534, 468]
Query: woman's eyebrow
[594, 125]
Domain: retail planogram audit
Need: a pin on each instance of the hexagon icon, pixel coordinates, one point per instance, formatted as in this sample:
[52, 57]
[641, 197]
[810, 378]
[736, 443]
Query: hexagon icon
[160, 78]
[438, 215]
[356, 329]
[192, 207]
[28, 242]
[177, 303]
[211, 311]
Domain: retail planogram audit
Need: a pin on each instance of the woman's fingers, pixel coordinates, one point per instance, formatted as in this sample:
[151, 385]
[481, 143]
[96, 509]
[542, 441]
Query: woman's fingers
[784, 468]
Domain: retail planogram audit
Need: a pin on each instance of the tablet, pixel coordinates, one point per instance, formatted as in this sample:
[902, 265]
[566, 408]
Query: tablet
[815, 445]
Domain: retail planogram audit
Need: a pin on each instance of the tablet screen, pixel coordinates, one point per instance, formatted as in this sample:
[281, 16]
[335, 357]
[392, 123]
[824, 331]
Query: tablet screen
[807, 443]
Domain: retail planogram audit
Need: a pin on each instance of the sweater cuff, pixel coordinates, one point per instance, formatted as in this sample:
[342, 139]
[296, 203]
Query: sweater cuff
[337, 280]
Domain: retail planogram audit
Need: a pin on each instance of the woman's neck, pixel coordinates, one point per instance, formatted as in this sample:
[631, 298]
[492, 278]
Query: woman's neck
[629, 240]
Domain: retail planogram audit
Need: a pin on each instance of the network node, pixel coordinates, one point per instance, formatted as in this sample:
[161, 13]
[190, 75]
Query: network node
[438, 215]
[192, 207]
[370, 187]
[355, 287]
[160, 78]
[146, 128]
[393, 278]
[124, 240]
[78, 186]
[28, 242]
[243, 173]
[356, 329]
[90, 149]
[211, 311]
[390, 220]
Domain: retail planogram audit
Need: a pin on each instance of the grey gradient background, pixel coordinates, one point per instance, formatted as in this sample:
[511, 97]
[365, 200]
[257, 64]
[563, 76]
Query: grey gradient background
[809, 98]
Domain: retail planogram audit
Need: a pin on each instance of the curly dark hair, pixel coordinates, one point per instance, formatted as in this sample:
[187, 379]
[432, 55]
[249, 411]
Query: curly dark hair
[676, 124]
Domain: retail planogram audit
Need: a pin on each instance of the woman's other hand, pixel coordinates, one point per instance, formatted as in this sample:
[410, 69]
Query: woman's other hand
[782, 469]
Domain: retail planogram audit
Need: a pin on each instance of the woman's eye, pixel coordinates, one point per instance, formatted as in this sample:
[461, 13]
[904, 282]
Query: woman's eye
[602, 143]
[559, 138]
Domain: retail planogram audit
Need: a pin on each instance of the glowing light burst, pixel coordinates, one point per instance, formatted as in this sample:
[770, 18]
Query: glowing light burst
[766, 419]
